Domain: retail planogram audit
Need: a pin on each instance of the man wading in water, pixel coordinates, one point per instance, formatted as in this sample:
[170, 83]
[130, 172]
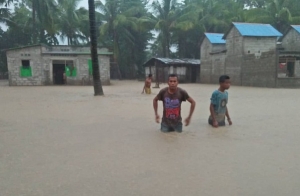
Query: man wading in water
[172, 97]
[147, 86]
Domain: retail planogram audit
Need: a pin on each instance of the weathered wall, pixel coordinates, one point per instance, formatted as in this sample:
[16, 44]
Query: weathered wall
[288, 82]
[212, 65]
[258, 45]
[42, 67]
[205, 49]
[291, 41]
[251, 61]
[218, 47]
[297, 68]
[218, 67]
[83, 77]
[234, 56]
[14, 63]
[259, 62]
[260, 72]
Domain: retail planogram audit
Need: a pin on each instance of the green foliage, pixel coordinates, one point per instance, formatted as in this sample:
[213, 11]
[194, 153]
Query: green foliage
[127, 27]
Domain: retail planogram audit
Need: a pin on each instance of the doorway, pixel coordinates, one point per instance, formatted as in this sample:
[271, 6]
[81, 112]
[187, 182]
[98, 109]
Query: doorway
[61, 70]
[58, 73]
[195, 72]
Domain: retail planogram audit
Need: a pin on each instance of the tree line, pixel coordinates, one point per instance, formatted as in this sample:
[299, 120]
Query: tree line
[135, 30]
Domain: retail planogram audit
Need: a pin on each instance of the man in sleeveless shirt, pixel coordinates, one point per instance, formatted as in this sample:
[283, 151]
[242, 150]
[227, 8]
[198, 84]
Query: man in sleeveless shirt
[172, 97]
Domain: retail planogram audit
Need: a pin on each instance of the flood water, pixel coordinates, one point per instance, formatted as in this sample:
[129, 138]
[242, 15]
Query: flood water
[63, 141]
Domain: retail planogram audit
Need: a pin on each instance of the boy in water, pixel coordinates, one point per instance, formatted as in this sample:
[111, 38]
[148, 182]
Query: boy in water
[218, 105]
[147, 85]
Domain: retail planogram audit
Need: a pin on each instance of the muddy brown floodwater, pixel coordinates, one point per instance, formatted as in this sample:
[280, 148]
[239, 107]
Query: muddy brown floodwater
[63, 141]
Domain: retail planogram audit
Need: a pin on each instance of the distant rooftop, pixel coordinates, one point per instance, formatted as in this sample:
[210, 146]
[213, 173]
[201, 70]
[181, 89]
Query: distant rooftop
[73, 50]
[215, 38]
[256, 30]
[296, 27]
[169, 61]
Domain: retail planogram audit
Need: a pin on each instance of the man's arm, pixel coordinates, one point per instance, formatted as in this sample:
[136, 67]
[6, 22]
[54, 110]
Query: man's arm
[155, 106]
[228, 117]
[144, 87]
[192, 108]
[213, 116]
[212, 112]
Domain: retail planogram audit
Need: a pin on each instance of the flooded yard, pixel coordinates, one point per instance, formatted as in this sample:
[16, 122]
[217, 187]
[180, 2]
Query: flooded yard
[63, 141]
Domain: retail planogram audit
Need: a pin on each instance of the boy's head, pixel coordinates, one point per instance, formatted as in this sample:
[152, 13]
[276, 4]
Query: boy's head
[224, 81]
[150, 76]
[173, 81]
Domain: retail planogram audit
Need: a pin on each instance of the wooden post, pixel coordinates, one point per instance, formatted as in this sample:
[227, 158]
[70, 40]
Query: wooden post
[156, 76]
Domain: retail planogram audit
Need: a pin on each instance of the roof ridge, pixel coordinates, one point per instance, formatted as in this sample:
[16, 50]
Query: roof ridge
[251, 23]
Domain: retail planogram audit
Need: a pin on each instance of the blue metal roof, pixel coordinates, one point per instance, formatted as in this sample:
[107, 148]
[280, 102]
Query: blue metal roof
[257, 30]
[215, 38]
[296, 27]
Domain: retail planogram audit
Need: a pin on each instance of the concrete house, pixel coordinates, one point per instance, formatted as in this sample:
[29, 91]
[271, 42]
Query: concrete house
[187, 69]
[54, 65]
[212, 54]
[289, 58]
[291, 39]
[251, 56]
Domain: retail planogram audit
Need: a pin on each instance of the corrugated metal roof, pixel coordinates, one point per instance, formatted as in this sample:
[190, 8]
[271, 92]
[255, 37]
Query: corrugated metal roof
[215, 38]
[169, 61]
[296, 27]
[77, 53]
[257, 30]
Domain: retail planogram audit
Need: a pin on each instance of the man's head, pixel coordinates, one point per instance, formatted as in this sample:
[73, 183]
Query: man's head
[224, 81]
[173, 81]
[150, 76]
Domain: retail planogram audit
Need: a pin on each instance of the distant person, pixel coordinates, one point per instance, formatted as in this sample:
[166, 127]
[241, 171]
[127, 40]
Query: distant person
[64, 78]
[147, 85]
[218, 105]
[172, 97]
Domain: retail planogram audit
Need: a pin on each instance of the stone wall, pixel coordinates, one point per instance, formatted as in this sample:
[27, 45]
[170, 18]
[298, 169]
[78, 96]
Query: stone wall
[83, 76]
[288, 82]
[205, 68]
[260, 72]
[218, 47]
[297, 68]
[251, 61]
[258, 45]
[234, 56]
[212, 65]
[218, 67]
[291, 41]
[42, 67]
[14, 63]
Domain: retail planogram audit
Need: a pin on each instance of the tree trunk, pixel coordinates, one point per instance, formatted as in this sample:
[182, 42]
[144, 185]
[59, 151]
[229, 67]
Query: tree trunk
[34, 34]
[94, 53]
[168, 45]
[133, 65]
[116, 54]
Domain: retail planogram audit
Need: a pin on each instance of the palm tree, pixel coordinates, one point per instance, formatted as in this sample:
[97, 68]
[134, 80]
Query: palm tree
[117, 25]
[166, 14]
[275, 12]
[5, 12]
[43, 12]
[96, 72]
[69, 21]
